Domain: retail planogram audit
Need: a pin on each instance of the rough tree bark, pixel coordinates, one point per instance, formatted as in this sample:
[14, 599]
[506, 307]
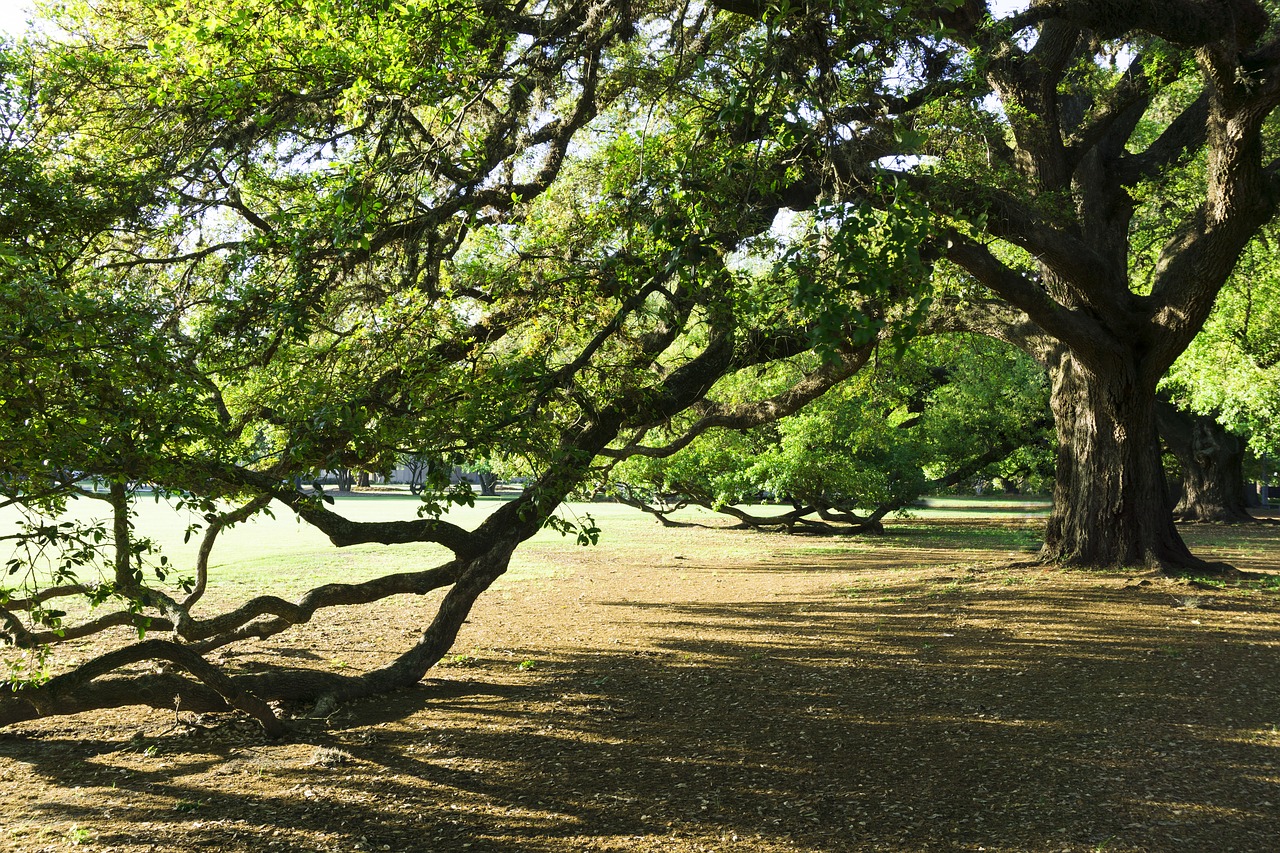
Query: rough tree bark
[1110, 496]
[1212, 466]
[1105, 339]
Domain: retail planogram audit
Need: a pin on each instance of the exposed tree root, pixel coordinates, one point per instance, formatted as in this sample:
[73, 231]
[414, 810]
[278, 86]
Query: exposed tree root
[1153, 566]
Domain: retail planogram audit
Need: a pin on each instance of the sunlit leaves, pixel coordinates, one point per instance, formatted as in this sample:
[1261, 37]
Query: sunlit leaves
[857, 262]
[1231, 371]
[875, 440]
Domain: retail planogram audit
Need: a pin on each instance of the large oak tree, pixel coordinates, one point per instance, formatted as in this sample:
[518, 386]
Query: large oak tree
[351, 231]
[1040, 142]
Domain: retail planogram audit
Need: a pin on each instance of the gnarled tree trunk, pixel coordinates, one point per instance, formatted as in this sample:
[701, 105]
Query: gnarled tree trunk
[1212, 463]
[1110, 500]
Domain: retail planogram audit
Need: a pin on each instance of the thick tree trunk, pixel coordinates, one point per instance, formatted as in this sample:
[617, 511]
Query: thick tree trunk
[1111, 504]
[1212, 462]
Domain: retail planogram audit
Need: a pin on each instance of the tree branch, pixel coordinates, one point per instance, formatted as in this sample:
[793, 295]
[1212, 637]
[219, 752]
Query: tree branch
[746, 415]
[344, 532]
[1080, 331]
[1185, 134]
[1186, 23]
[53, 694]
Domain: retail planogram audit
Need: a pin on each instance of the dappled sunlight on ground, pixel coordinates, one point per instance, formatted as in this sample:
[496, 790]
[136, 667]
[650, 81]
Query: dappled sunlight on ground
[730, 691]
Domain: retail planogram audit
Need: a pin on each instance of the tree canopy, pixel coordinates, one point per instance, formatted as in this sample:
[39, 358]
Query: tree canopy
[1230, 369]
[1085, 113]
[246, 241]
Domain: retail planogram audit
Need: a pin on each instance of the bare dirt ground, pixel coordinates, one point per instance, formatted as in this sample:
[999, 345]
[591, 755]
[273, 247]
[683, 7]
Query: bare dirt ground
[744, 692]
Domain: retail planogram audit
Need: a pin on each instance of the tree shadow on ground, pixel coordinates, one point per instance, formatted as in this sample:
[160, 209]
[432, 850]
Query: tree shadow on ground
[958, 711]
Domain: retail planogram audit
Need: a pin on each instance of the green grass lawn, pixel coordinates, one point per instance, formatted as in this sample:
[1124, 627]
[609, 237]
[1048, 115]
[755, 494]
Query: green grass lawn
[981, 506]
[284, 547]
[285, 554]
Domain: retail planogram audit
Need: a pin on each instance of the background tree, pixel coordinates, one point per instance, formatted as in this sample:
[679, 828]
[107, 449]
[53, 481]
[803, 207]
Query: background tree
[945, 412]
[1211, 466]
[1225, 387]
[486, 477]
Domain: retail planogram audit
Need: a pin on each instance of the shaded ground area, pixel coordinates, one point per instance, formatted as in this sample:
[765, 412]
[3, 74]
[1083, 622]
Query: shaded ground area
[736, 691]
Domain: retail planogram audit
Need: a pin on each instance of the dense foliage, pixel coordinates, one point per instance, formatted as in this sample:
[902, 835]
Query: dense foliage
[243, 242]
[1230, 371]
[946, 412]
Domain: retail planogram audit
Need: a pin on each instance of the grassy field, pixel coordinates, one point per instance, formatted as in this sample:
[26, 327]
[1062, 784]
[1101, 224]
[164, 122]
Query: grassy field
[286, 555]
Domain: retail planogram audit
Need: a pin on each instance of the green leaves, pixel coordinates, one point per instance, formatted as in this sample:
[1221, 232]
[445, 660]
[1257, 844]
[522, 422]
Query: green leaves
[855, 262]
[873, 441]
[585, 530]
[1231, 371]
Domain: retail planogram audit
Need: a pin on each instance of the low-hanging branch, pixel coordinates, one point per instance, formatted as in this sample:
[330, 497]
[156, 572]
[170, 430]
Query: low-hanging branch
[796, 520]
[247, 620]
[74, 689]
[344, 532]
[480, 557]
[834, 513]
[216, 525]
[741, 416]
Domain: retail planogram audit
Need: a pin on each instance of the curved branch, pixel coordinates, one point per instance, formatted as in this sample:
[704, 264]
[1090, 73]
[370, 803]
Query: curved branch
[197, 255]
[630, 497]
[1186, 133]
[116, 619]
[1081, 332]
[246, 620]
[748, 415]
[1186, 23]
[216, 526]
[343, 532]
[994, 319]
[52, 694]
[47, 594]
